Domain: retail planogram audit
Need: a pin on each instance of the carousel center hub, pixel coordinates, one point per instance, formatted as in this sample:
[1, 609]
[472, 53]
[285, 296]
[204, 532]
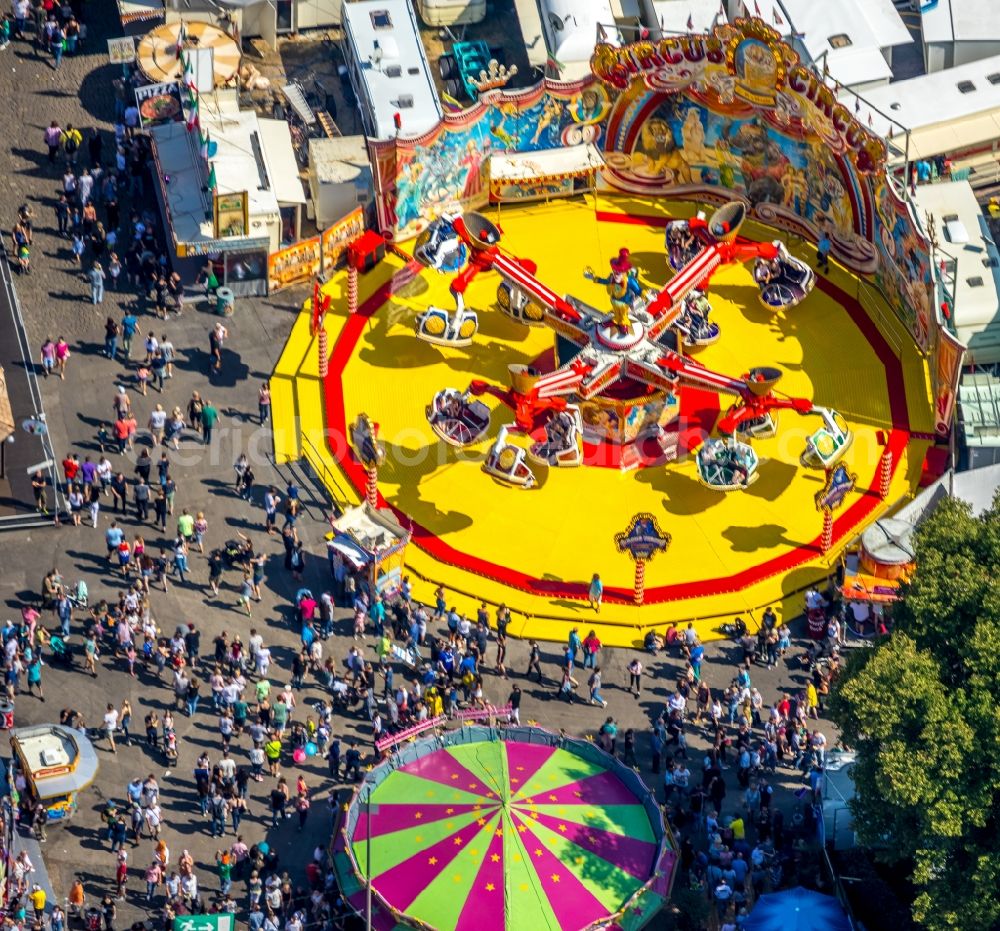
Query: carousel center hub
[612, 338]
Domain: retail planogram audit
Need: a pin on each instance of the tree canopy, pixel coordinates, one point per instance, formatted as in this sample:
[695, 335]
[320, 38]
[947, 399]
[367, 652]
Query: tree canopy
[922, 710]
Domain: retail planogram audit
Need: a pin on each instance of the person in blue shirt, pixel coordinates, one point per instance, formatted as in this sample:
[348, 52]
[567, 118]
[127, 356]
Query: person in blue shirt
[574, 643]
[447, 660]
[113, 537]
[376, 614]
[130, 323]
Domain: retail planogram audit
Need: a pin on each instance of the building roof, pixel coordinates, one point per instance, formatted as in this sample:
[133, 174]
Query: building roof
[962, 21]
[385, 40]
[338, 160]
[868, 25]
[941, 110]
[976, 314]
[671, 16]
[249, 158]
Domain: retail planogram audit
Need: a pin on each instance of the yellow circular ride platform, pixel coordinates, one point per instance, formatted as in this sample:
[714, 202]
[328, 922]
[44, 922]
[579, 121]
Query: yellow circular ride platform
[731, 553]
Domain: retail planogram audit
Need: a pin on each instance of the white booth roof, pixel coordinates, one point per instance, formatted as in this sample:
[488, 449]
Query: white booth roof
[253, 155]
[964, 235]
[524, 166]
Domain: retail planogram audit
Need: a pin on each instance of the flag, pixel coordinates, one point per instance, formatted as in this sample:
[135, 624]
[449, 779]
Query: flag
[212, 183]
[756, 8]
[181, 39]
[826, 67]
[870, 124]
[857, 104]
[690, 23]
[554, 63]
[778, 21]
[188, 78]
[192, 117]
[450, 103]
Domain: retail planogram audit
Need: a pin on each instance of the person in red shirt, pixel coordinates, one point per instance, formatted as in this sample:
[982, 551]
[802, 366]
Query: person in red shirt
[71, 468]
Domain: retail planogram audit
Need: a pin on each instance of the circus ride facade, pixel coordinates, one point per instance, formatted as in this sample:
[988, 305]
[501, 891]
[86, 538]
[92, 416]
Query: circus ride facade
[651, 335]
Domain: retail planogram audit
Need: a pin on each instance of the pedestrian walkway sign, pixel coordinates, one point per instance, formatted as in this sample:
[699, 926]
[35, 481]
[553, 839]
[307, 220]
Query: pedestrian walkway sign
[222, 922]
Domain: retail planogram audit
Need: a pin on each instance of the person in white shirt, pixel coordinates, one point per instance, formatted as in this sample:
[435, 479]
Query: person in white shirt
[111, 725]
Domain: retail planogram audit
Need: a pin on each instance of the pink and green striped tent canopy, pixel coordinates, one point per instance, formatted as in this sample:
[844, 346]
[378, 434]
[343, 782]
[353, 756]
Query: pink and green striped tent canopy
[472, 834]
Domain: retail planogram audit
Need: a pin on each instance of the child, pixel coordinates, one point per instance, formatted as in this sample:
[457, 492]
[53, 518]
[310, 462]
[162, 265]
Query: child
[104, 437]
[24, 259]
[78, 248]
[142, 377]
[4, 31]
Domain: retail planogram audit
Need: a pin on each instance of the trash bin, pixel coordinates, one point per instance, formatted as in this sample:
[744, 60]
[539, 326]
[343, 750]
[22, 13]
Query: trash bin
[6, 715]
[224, 299]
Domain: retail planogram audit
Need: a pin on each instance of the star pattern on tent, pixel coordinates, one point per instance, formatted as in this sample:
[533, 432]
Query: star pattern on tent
[490, 887]
[538, 851]
[562, 827]
[553, 798]
[449, 811]
[481, 822]
[418, 815]
[432, 861]
[458, 841]
[554, 877]
[494, 858]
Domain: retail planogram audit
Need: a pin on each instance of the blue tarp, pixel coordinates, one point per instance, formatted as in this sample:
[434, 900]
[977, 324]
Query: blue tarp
[797, 909]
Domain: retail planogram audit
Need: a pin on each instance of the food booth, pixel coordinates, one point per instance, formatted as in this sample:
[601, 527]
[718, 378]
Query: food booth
[874, 571]
[57, 763]
[371, 542]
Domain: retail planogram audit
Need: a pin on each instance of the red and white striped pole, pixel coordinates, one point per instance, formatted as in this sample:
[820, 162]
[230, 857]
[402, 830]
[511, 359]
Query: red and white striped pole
[324, 355]
[827, 541]
[352, 289]
[371, 487]
[884, 473]
[639, 590]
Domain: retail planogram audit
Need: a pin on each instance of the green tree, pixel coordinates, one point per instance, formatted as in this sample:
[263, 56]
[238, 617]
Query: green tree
[922, 709]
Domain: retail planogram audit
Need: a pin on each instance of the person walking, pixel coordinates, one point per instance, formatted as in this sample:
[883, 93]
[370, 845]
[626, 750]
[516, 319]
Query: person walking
[209, 417]
[264, 402]
[53, 141]
[596, 592]
[95, 276]
[111, 725]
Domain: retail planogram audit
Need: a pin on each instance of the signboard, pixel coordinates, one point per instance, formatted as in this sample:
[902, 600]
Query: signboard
[212, 246]
[839, 484]
[220, 922]
[231, 213]
[159, 104]
[336, 239]
[411, 733]
[642, 539]
[297, 263]
[949, 373]
[121, 51]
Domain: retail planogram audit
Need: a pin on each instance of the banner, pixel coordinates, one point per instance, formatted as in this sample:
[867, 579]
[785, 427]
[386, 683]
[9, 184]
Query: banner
[159, 103]
[948, 373]
[298, 263]
[121, 51]
[338, 237]
[483, 714]
[390, 740]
